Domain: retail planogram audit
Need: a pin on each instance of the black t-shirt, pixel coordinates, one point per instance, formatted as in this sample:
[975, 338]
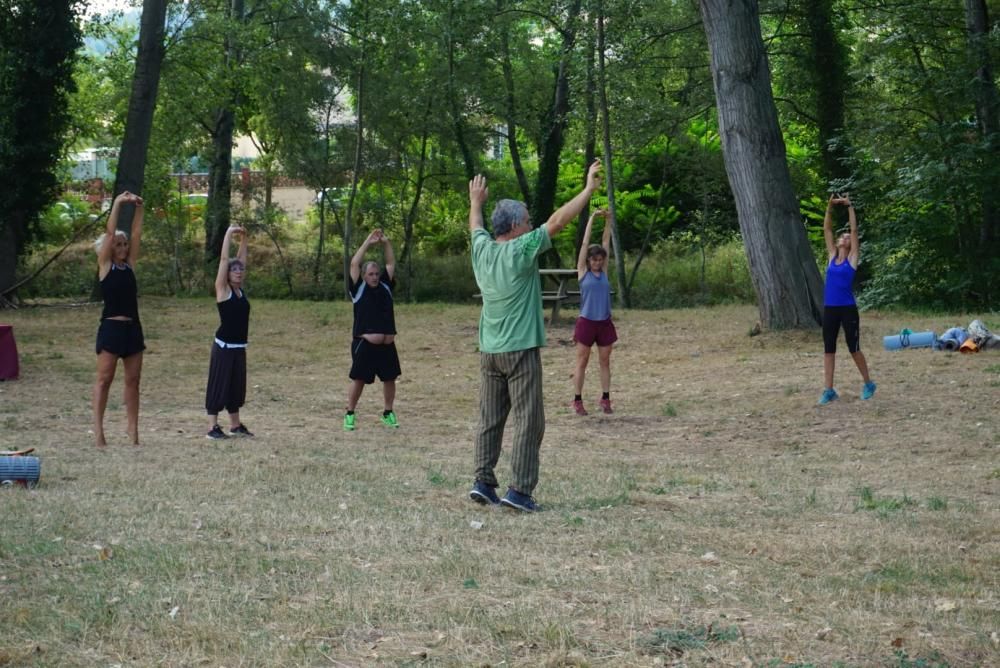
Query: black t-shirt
[373, 312]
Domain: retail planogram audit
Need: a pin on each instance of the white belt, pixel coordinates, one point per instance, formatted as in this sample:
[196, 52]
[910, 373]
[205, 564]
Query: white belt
[222, 344]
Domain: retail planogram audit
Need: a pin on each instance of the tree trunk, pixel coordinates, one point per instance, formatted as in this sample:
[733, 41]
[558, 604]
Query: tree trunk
[510, 111]
[782, 266]
[359, 128]
[553, 134]
[589, 129]
[411, 215]
[609, 177]
[218, 208]
[457, 117]
[130, 174]
[829, 78]
[988, 116]
[10, 244]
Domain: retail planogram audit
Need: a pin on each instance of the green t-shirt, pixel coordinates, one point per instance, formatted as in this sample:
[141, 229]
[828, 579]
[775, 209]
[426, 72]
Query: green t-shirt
[507, 275]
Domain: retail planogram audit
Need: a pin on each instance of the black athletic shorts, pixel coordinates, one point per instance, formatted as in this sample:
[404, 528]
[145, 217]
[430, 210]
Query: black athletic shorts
[835, 317]
[120, 337]
[369, 360]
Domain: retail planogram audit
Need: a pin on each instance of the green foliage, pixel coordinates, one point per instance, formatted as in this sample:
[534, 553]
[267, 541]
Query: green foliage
[38, 43]
[679, 273]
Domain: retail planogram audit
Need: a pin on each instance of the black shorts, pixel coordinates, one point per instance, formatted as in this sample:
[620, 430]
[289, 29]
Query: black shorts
[369, 360]
[120, 337]
[835, 317]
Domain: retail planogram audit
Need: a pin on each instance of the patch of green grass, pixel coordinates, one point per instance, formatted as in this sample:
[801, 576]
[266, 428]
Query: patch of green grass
[674, 641]
[811, 498]
[886, 504]
[602, 502]
[436, 477]
[791, 389]
[669, 410]
[903, 660]
[937, 503]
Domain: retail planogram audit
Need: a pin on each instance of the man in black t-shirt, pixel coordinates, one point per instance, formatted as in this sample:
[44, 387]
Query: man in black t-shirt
[373, 347]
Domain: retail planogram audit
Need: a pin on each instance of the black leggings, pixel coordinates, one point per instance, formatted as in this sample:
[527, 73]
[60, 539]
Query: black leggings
[835, 317]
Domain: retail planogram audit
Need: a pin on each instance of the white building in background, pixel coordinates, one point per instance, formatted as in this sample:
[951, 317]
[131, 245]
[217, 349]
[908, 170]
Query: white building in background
[92, 163]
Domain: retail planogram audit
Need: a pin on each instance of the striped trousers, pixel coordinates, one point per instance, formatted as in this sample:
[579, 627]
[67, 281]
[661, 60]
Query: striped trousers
[511, 383]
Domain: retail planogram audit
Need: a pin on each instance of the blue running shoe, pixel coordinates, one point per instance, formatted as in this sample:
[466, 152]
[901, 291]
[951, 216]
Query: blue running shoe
[829, 394]
[868, 391]
[514, 499]
[484, 494]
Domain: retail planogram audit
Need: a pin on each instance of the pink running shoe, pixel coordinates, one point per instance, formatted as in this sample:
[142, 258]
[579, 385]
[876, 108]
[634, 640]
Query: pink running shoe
[605, 405]
[578, 407]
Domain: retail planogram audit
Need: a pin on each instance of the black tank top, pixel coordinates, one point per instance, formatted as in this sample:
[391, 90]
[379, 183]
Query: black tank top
[234, 314]
[120, 293]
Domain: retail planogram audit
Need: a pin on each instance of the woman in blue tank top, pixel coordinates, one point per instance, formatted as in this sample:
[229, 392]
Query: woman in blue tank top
[839, 307]
[594, 324]
[227, 369]
[120, 333]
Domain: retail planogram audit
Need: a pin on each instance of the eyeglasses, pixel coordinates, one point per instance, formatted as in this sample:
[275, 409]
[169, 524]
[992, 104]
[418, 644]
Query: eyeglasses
[239, 269]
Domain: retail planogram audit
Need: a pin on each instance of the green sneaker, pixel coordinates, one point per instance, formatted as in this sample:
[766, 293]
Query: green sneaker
[349, 422]
[389, 420]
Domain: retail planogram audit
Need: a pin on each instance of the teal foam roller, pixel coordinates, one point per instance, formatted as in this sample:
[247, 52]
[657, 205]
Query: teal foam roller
[20, 469]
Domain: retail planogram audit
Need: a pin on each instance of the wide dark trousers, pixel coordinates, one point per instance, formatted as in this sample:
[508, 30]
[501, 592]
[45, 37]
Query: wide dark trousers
[227, 380]
[511, 384]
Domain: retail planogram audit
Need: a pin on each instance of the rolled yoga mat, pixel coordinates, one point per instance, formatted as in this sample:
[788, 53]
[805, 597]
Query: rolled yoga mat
[20, 469]
[907, 339]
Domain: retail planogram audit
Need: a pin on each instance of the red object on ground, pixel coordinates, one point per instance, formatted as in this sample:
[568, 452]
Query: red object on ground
[9, 369]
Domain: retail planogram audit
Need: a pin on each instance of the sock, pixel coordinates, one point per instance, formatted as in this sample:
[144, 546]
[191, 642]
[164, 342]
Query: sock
[605, 395]
[386, 412]
[577, 397]
[350, 412]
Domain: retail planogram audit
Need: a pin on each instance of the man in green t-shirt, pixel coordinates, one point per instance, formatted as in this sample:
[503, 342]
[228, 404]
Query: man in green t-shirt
[511, 332]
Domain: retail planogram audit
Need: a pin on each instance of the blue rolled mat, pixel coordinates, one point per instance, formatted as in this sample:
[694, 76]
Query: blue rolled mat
[910, 340]
[20, 469]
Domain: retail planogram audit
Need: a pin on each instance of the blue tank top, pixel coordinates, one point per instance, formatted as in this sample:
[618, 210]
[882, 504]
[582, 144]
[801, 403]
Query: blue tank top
[839, 284]
[595, 296]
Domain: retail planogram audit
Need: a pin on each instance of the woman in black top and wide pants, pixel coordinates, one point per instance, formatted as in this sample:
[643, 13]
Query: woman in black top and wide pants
[227, 371]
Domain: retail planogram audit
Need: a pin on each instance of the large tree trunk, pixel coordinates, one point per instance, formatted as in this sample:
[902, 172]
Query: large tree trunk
[782, 266]
[987, 114]
[553, 134]
[130, 174]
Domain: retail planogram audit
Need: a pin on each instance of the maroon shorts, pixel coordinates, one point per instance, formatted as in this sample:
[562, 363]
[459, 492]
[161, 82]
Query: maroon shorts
[589, 332]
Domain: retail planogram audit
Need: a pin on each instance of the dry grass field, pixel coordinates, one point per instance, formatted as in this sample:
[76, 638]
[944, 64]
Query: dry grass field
[719, 517]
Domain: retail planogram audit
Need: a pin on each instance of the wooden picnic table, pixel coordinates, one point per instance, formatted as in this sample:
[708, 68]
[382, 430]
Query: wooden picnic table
[561, 279]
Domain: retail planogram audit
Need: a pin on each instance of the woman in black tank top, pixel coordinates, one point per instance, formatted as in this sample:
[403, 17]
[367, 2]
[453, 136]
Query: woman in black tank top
[120, 333]
[227, 370]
